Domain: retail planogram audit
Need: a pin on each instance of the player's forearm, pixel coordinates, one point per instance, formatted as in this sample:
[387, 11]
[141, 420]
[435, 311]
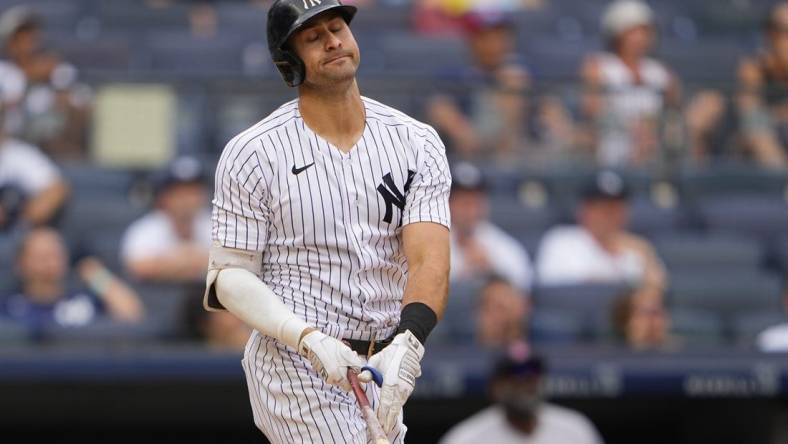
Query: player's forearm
[246, 296]
[428, 283]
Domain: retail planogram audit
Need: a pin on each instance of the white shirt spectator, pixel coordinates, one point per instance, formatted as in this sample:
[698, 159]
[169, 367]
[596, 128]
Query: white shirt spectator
[153, 235]
[556, 425]
[774, 339]
[628, 101]
[26, 167]
[570, 255]
[12, 83]
[507, 257]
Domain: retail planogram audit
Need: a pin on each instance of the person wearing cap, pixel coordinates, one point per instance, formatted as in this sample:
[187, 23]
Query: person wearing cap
[626, 90]
[171, 242]
[47, 106]
[478, 247]
[485, 109]
[599, 249]
[520, 414]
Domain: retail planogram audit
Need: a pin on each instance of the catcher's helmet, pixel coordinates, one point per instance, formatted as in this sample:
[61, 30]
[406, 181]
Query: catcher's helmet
[284, 18]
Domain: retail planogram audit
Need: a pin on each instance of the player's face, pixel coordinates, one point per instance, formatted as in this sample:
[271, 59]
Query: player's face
[328, 49]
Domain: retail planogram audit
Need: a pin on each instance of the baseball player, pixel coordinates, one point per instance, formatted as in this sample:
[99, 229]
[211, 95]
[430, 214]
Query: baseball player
[330, 238]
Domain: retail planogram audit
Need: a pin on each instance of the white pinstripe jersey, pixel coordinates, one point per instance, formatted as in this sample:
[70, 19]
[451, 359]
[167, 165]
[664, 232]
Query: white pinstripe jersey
[328, 223]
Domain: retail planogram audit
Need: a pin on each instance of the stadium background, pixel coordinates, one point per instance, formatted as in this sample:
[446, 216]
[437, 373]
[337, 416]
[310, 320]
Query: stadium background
[169, 78]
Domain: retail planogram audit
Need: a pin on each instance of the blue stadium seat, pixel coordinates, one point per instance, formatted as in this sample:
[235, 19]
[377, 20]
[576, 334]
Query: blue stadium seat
[549, 326]
[650, 220]
[176, 52]
[165, 305]
[526, 223]
[725, 294]
[763, 217]
[89, 182]
[712, 254]
[103, 331]
[731, 180]
[406, 53]
[697, 327]
[586, 300]
[12, 333]
[459, 318]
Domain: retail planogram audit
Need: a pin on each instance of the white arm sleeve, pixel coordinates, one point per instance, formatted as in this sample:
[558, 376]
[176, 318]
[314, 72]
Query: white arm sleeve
[246, 296]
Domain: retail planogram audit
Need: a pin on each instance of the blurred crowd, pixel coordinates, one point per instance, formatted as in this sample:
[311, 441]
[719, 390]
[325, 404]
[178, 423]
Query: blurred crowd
[538, 254]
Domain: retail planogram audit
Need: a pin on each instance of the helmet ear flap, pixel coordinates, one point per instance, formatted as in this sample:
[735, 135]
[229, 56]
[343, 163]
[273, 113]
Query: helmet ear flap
[290, 66]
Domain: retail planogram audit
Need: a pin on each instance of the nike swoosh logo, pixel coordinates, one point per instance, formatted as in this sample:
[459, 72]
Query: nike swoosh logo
[300, 170]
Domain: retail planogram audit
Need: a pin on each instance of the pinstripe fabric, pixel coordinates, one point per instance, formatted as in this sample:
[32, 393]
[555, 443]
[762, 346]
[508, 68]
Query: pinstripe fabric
[328, 224]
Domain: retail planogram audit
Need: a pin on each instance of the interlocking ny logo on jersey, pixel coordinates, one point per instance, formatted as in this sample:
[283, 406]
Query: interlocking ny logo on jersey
[310, 3]
[392, 195]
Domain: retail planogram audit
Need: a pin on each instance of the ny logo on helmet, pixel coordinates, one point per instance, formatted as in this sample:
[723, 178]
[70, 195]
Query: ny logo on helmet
[310, 3]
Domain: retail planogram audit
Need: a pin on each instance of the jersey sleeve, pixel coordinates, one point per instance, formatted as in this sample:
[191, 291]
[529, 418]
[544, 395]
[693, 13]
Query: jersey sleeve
[240, 214]
[427, 199]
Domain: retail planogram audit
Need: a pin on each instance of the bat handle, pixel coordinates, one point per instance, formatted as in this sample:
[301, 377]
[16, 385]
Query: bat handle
[376, 430]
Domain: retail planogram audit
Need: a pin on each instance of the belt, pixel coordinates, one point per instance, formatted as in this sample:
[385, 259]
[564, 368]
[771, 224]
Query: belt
[366, 348]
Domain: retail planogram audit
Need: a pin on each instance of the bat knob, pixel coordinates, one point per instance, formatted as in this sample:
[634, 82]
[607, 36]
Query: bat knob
[377, 377]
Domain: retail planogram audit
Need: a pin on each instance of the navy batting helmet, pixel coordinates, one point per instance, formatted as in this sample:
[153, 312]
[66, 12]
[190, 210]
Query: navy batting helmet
[285, 18]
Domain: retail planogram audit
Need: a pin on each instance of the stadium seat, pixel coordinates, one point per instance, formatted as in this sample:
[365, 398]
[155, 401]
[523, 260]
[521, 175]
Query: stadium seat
[165, 305]
[89, 182]
[553, 327]
[12, 333]
[460, 316]
[697, 327]
[731, 180]
[526, 223]
[648, 219]
[762, 217]
[179, 53]
[725, 294]
[588, 301]
[103, 331]
[713, 253]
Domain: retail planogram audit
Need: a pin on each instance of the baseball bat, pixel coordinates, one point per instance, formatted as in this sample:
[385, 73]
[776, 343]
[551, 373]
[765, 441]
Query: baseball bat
[372, 421]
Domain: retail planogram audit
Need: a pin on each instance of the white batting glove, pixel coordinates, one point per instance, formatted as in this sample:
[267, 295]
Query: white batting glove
[400, 365]
[329, 357]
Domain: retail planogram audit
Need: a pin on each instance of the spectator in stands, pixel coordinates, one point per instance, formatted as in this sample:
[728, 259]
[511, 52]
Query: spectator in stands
[53, 110]
[642, 324]
[599, 249]
[33, 191]
[219, 330]
[171, 242]
[502, 314]
[479, 248]
[45, 296]
[763, 98]
[519, 413]
[626, 91]
[486, 111]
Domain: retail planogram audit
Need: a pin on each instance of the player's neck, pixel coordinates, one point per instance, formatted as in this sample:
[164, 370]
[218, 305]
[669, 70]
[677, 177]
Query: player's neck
[337, 116]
